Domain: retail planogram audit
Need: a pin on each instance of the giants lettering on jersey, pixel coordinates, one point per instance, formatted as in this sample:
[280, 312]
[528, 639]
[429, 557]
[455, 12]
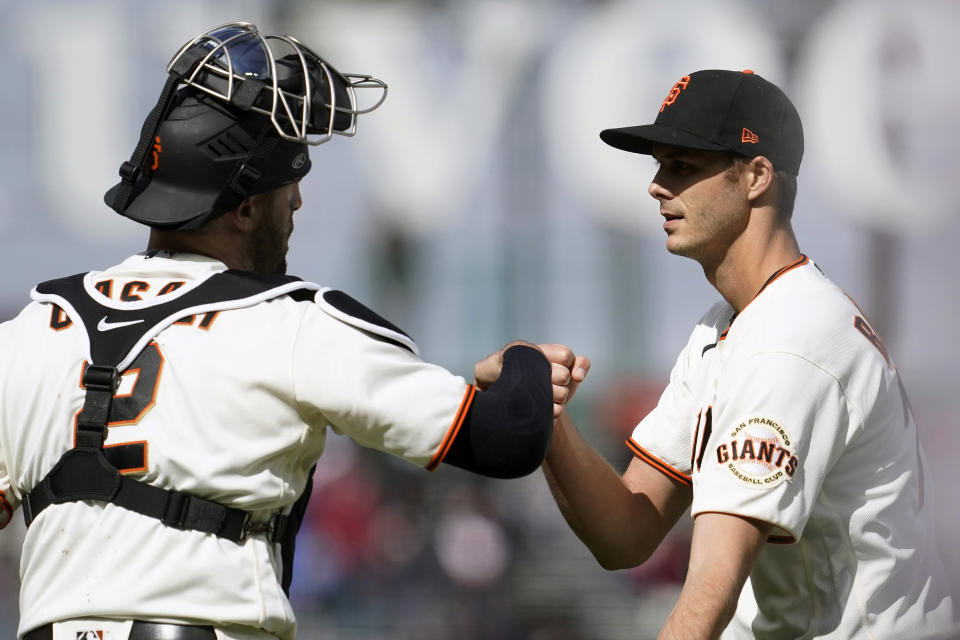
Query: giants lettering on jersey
[758, 454]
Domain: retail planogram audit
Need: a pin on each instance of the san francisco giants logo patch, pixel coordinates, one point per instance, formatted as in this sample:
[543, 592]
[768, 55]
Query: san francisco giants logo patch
[758, 453]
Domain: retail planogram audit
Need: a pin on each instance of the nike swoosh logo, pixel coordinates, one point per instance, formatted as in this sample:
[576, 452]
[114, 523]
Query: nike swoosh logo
[103, 325]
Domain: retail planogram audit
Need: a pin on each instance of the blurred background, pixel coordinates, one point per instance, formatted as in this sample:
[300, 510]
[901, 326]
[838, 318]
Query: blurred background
[479, 205]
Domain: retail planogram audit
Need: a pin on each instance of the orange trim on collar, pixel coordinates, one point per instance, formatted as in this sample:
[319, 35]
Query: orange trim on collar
[776, 274]
[799, 263]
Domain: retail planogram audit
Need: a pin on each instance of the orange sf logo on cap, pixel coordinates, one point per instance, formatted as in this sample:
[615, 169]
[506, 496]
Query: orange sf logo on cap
[675, 91]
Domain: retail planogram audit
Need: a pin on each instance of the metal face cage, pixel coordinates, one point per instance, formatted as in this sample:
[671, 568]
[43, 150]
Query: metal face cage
[306, 98]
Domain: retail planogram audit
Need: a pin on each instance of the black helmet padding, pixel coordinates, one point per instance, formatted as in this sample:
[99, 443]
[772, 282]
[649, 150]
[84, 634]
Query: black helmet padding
[206, 158]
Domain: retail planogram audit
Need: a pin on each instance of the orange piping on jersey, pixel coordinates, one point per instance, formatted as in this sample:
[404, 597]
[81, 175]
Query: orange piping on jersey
[799, 263]
[658, 464]
[451, 434]
[7, 508]
[772, 539]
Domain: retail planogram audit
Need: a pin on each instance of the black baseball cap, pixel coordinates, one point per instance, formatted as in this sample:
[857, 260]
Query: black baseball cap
[719, 110]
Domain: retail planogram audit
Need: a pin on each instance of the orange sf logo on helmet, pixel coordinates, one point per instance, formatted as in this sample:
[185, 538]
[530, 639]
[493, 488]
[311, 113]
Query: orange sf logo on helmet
[155, 154]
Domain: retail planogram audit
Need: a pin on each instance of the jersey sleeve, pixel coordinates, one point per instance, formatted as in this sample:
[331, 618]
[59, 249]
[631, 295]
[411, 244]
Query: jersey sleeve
[662, 438]
[777, 430]
[377, 392]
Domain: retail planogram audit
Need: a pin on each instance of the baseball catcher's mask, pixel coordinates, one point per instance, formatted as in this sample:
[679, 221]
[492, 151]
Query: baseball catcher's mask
[306, 99]
[267, 97]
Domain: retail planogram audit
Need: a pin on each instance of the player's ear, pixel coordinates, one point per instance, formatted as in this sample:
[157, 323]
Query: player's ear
[243, 218]
[760, 174]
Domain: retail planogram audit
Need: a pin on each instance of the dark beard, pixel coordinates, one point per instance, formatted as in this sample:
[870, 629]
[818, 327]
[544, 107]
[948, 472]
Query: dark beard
[269, 251]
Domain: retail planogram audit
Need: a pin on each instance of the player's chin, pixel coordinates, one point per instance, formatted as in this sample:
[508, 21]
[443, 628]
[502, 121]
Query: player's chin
[676, 245]
[685, 244]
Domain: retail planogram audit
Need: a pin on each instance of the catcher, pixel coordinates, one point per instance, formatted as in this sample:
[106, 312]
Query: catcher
[160, 419]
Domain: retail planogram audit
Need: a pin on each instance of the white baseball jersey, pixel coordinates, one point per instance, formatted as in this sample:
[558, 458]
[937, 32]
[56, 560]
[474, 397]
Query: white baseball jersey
[230, 406]
[793, 414]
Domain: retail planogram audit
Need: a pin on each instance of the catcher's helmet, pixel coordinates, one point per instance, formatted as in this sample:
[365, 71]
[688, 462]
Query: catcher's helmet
[235, 118]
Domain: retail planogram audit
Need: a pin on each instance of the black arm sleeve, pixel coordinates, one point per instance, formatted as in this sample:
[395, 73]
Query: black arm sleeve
[507, 430]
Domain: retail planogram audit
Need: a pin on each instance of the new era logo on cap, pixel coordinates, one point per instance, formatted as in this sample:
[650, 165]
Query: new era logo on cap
[719, 110]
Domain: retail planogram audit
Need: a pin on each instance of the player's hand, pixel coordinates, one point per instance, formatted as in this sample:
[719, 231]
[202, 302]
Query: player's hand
[567, 371]
[486, 371]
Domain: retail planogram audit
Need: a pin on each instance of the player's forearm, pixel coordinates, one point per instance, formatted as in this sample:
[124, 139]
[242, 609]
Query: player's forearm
[593, 500]
[702, 613]
[723, 552]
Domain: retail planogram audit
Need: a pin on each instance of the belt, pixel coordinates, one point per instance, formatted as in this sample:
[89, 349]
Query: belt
[143, 631]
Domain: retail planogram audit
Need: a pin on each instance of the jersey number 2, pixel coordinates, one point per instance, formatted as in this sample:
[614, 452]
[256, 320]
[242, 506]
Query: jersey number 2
[136, 396]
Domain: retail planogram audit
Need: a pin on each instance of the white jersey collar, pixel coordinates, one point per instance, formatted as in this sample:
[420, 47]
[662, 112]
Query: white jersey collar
[191, 269]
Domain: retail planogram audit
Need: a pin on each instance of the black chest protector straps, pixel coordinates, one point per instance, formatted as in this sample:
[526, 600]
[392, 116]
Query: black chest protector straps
[84, 472]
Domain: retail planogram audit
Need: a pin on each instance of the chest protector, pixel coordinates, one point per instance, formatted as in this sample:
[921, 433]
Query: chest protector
[116, 337]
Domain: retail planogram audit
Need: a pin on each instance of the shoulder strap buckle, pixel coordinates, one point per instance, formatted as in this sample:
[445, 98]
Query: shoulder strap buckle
[98, 377]
[274, 528]
[176, 509]
[101, 382]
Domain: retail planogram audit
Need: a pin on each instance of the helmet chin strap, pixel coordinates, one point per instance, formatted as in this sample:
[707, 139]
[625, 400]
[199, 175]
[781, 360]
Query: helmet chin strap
[242, 181]
[132, 170]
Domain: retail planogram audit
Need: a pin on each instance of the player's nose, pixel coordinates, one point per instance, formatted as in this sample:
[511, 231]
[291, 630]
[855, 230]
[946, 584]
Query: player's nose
[656, 190]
